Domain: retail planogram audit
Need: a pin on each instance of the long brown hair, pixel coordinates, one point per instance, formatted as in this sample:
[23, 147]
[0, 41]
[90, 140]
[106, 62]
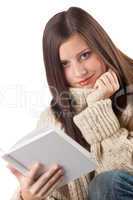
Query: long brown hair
[58, 29]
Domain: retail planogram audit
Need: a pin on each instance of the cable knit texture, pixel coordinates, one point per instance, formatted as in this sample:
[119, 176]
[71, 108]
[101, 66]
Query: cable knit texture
[111, 142]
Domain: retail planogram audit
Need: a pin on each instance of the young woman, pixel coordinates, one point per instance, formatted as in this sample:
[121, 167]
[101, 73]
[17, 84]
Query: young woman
[91, 82]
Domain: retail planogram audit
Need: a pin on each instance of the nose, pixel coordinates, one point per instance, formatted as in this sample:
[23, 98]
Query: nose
[79, 69]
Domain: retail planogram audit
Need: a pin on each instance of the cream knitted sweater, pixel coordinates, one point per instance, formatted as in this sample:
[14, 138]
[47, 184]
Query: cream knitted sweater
[111, 142]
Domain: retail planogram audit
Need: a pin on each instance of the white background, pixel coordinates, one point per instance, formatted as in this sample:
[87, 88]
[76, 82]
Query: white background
[23, 87]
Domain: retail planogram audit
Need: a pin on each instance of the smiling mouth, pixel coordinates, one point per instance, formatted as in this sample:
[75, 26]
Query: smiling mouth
[86, 81]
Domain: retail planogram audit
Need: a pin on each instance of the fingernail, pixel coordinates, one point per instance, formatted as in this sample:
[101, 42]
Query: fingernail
[62, 172]
[37, 164]
[62, 178]
[56, 166]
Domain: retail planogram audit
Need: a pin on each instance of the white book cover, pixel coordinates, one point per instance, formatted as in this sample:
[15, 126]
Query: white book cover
[51, 145]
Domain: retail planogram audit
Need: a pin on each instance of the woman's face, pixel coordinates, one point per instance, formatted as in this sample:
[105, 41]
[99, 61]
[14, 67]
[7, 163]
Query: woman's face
[82, 67]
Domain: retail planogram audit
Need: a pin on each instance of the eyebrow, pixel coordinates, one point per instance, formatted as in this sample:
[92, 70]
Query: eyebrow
[76, 54]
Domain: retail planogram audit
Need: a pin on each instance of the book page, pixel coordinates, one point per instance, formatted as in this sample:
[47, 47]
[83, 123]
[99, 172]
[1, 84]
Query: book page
[53, 146]
[28, 137]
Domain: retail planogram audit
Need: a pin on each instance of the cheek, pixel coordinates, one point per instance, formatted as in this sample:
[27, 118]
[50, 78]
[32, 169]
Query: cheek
[68, 75]
[103, 67]
[92, 63]
[101, 64]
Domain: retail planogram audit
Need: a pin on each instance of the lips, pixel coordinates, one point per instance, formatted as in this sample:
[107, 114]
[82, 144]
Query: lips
[86, 81]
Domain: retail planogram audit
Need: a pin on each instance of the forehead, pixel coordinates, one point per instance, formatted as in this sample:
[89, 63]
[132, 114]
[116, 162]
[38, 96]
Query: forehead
[72, 46]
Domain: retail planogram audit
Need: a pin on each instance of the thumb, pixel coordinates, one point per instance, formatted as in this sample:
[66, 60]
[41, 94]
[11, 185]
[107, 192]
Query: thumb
[110, 70]
[96, 85]
[14, 171]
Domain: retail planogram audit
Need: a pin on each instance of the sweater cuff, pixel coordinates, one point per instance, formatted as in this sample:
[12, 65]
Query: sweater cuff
[97, 121]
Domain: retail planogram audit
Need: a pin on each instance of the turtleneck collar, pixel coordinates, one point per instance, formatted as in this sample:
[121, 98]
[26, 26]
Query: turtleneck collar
[79, 96]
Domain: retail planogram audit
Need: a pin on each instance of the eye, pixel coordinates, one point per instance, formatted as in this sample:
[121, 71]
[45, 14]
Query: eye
[85, 55]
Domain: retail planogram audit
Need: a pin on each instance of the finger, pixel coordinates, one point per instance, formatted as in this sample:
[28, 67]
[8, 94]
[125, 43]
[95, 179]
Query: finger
[14, 171]
[113, 73]
[116, 82]
[47, 189]
[54, 187]
[32, 174]
[98, 84]
[111, 81]
[52, 174]
[103, 83]
[106, 81]
[115, 79]
[110, 70]
[95, 85]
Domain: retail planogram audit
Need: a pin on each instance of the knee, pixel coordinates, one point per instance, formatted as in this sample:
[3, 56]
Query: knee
[109, 184]
[122, 187]
[101, 186]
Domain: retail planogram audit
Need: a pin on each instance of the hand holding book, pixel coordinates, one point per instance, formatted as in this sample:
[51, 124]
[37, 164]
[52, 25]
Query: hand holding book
[39, 181]
[47, 145]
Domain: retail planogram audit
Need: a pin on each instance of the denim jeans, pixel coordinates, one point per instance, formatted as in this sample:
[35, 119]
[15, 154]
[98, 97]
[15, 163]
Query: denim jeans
[112, 185]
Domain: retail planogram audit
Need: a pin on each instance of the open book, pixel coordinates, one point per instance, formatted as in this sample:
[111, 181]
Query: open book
[51, 145]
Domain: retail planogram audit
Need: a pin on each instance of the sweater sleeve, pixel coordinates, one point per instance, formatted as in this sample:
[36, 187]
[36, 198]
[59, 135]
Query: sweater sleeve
[109, 142]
